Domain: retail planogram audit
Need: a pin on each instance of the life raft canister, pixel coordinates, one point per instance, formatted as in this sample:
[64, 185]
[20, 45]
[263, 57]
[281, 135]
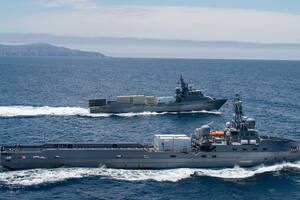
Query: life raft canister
[217, 133]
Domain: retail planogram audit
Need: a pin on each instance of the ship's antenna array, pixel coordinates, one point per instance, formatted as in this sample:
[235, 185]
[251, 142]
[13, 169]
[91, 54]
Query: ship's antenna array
[238, 111]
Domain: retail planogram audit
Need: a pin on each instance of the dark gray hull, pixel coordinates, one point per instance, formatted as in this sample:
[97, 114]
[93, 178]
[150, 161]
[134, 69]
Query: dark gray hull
[117, 107]
[268, 152]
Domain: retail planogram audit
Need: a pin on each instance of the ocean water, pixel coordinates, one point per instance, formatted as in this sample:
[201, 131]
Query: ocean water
[47, 98]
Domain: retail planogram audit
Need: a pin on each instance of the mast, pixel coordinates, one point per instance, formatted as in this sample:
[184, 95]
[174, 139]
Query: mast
[184, 86]
[238, 111]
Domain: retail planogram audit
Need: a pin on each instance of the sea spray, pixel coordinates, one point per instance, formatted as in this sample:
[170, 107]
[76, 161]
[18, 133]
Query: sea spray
[43, 176]
[31, 111]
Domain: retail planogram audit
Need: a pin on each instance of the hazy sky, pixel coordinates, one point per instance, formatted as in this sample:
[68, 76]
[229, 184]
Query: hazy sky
[235, 20]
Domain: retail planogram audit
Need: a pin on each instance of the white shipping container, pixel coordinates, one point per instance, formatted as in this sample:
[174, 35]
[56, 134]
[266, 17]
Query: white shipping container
[176, 142]
[123, 99]
[150, 100]
[138, 99]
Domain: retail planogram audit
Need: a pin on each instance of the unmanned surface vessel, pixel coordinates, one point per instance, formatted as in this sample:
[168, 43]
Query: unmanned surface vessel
[186, 99]
[238, 144]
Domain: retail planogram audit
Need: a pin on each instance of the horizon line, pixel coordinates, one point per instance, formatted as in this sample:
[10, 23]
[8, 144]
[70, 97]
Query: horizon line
[148, 38]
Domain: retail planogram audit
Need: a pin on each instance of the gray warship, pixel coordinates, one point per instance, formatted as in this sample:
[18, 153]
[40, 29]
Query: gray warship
[237, 144]
[186, 99]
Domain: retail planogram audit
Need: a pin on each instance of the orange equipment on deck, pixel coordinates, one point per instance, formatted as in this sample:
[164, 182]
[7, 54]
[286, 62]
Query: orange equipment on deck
[216, 133]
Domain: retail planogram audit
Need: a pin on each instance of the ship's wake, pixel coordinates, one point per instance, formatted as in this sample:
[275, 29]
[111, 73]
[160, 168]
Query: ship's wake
[44, 176]
[31, 111]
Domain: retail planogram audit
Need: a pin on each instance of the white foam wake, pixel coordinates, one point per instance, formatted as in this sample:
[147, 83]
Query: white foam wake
[17, 111]
[44, 176]
[241, 173]
[14, 111]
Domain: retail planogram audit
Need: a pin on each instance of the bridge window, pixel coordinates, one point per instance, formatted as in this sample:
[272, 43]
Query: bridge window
[244, 149]
[265, 149]
[172, 156]
[203, 156]
[214, 156]
[234, 149]
[254, 149]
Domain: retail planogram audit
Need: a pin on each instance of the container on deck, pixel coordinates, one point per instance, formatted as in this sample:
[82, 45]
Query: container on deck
[97, 102]
[138, 99]
[123, 99]
[175, 143]
[150, 100]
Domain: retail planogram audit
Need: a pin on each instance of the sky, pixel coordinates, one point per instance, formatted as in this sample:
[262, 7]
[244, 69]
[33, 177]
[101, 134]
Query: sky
[267, 21]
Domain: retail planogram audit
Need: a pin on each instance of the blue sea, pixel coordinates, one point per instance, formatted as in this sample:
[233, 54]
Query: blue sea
[46, 99]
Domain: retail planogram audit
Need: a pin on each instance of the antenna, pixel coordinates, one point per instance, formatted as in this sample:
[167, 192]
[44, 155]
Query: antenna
[238, 110]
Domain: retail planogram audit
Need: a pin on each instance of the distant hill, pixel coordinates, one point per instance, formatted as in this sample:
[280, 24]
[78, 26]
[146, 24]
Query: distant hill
[162, 48]
[43, 49]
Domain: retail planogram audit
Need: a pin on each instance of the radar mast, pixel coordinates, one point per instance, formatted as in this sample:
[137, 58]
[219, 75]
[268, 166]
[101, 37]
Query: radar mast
[238, 111]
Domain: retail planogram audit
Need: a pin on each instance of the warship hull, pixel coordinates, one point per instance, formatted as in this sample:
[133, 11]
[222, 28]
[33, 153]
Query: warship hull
[117, 107]
[268, 152]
